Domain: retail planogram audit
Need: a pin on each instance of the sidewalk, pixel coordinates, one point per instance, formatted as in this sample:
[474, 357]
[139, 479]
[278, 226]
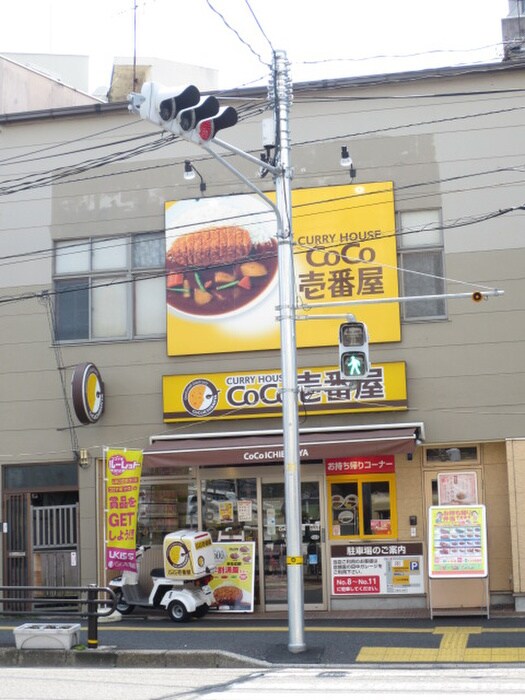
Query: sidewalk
[254, 640]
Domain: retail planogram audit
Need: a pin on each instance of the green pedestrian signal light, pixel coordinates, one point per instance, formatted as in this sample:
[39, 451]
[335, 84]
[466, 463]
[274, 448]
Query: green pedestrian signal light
[354, 364]
[354, 361]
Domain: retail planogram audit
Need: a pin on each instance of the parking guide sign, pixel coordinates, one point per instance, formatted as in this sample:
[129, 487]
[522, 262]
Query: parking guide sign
[377, 569]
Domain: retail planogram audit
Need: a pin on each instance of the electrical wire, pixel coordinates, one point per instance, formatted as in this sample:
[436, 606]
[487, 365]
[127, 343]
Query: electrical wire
[411, 125]
[162, 142]
[192, 268]
[62, 174]
[259, 25]
[22, 159]
[347, 201]
[232, 29]
[382, 57]
[250, 110]
[45, 178]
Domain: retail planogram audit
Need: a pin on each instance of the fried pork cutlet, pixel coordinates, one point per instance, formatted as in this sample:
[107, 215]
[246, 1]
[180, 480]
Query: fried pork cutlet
[210, 246]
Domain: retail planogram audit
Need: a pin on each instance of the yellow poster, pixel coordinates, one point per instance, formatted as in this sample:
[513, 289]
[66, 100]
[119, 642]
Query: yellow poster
[123, 472]
[257, 394]
[233, 580]
[222, 274]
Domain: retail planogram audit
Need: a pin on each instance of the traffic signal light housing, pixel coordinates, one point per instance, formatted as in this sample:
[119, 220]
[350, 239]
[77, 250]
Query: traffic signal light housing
[161, 105]
[182, 111]
[354, 361]
[207, 128]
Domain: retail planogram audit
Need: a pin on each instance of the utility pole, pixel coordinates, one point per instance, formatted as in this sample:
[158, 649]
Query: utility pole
[292, 467]
[280, 95]
[182, 111]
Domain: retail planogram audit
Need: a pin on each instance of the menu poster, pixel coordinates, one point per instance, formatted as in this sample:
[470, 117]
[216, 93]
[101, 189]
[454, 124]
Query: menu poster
[233, 580]
[457, 542]
[457, 488]
[226, 512]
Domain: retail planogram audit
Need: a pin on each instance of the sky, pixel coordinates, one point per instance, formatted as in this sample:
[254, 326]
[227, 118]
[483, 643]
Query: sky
[326, 39]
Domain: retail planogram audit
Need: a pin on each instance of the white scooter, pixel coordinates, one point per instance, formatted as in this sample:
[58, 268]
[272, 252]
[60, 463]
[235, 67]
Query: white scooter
[181, 587]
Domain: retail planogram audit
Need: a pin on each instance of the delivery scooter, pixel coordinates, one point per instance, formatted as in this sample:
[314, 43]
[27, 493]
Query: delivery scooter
[180, 587]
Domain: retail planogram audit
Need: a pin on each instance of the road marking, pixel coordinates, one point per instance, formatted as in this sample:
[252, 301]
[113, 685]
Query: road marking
[452, 649]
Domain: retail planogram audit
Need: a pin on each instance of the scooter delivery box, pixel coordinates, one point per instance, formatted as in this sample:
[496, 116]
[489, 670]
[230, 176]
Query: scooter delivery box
[188, 555]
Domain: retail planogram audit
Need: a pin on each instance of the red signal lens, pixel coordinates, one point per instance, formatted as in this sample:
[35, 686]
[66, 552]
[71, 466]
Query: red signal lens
[206, 129]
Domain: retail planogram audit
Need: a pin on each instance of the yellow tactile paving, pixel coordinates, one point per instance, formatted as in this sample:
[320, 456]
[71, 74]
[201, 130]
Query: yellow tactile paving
[452, 649]
[455, 639]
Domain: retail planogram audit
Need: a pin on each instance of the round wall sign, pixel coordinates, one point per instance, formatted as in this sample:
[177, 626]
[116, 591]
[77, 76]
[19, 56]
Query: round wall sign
[87, 391]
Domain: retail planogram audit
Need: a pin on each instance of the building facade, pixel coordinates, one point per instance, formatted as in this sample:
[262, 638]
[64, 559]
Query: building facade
[435, 208]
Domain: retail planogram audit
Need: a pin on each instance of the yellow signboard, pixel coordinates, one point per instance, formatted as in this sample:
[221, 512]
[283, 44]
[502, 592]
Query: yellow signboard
[257, 394]
[222, 276]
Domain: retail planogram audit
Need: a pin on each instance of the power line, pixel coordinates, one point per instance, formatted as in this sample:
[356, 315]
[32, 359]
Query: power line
[232, 29]
[259, 25]
[406, 55]
[191, 268]
[334, 200]
[62, 173]
[48, 177]
[22, 159]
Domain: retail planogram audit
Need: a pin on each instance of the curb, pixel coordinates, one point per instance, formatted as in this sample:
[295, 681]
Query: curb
[109, 657]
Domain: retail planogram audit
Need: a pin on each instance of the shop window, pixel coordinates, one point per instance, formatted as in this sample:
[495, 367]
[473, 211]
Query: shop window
[362, 507]
[165, 508]
[35, 476]
[452, 455]
[420, 245]
[110, 288]
[229, 508]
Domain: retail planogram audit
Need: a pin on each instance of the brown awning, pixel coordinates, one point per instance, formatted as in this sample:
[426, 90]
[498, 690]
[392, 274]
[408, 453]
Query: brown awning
[263, 449]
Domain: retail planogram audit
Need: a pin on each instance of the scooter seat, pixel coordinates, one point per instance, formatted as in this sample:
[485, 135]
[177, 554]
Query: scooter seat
[157, 573]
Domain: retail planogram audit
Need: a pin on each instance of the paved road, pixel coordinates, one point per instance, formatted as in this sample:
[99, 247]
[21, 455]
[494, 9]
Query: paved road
[329, 641]
[223, 684]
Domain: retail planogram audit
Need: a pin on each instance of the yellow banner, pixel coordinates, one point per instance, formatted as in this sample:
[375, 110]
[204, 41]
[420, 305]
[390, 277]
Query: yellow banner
[221, 262]
[123, 471]
[322, 390]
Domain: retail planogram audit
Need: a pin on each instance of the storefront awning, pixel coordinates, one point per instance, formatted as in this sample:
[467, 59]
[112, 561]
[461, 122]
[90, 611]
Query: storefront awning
[264, 449]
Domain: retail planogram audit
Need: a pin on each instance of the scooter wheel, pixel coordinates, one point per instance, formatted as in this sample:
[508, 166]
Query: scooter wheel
[177, 612]
[201, 610]
[123, 607]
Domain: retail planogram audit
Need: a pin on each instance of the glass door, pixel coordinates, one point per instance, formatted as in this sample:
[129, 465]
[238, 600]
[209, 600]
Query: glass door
[274, 544]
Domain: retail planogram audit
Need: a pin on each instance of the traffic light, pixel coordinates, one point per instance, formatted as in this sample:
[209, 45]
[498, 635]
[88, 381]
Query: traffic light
[182, 111]
[354, 361]
[161, 105]
[207, 128]
[190, 117]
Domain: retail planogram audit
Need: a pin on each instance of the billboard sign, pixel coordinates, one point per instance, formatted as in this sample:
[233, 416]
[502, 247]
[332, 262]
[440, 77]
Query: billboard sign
[221, 267]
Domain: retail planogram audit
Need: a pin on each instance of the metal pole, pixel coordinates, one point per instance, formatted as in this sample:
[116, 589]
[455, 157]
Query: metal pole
[478, 295]
[92, 631]
[292, 467]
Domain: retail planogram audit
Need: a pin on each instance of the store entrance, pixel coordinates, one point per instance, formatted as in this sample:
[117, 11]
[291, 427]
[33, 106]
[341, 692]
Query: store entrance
[251, 508]
[274, 544]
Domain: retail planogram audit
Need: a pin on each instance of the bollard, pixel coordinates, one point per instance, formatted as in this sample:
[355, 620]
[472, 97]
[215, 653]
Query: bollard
[92, 616]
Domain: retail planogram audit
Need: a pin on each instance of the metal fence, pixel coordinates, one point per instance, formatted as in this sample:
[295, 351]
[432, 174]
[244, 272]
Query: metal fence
[89, 602]
[54, 526]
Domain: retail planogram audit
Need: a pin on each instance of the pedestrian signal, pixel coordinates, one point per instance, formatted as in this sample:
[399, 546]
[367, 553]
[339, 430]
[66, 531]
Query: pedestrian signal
[354, 361]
